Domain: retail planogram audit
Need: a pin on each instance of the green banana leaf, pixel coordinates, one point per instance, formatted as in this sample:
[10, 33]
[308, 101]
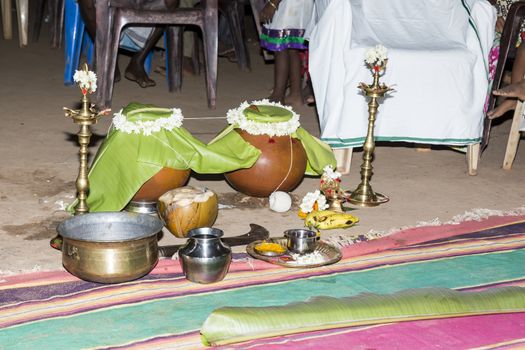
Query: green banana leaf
[318, 153]
[236, 324]
[124, 162]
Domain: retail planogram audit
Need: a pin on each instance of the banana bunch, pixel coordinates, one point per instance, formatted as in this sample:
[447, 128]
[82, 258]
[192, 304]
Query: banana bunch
[328, 219]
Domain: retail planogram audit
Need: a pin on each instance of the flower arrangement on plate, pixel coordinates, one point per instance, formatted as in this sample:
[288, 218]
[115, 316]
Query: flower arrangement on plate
[317, 208]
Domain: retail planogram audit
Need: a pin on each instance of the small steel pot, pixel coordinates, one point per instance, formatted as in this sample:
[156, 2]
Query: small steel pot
[205, 258]
[300, 241]
[110, 247]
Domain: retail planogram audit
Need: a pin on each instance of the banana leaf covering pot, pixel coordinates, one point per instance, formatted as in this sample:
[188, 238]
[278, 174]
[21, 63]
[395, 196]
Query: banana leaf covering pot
[147, 152]
[287, 151]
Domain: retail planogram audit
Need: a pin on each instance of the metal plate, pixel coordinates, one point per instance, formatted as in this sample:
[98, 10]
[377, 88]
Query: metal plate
[330, 254]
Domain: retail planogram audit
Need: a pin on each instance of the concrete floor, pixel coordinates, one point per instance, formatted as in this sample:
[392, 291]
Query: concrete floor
[39, 156]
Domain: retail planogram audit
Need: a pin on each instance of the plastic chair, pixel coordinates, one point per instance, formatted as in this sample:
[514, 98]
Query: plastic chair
[22, 10]
[113, 15]
[77, 40]
[509, 37]
[437, 54]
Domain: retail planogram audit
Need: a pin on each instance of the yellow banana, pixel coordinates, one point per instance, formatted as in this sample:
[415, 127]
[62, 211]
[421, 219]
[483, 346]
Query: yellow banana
[327, 219]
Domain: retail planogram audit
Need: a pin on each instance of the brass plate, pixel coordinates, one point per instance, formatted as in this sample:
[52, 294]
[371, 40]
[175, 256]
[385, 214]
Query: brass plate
[330, 253]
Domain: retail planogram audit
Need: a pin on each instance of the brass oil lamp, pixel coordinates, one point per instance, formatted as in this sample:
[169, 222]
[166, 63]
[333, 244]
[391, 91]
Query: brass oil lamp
[363, 195]
[86, 116]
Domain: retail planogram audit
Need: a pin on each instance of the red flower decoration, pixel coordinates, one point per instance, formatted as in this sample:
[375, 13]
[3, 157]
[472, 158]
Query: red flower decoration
[377, 68]
[84, 91]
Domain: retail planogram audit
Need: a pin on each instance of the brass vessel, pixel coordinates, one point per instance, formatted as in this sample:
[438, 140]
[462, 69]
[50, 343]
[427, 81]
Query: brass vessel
[110, 247]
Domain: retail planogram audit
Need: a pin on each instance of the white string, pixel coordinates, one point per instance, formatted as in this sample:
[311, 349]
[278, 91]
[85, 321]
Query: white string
[204, 118]
[289, 168]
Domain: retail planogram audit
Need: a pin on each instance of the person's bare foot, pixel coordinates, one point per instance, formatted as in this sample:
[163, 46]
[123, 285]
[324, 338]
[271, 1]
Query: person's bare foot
[275, 98]
[512, 90]
[295, 100]
[507, 105]
[308, 93]
[135, 72]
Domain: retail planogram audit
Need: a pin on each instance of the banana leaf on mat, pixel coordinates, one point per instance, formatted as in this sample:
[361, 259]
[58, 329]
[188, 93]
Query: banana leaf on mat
[236, 324]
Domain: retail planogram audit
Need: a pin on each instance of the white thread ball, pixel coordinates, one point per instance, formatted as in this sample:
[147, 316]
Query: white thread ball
[280, 201]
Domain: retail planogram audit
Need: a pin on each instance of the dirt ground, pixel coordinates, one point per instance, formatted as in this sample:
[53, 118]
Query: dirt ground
[39, 157]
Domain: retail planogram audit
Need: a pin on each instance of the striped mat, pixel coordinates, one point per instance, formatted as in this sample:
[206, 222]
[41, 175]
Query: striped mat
[54, 310]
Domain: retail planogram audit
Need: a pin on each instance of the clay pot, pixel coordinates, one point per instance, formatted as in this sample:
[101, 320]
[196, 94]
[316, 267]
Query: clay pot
[163, 181]
[272, 166]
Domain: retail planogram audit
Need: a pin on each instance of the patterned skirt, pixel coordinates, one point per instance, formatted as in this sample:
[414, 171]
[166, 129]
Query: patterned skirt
[286, 30]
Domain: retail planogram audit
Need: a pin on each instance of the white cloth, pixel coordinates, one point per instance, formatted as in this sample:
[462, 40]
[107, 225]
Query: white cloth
[291, 14]
[437, 64]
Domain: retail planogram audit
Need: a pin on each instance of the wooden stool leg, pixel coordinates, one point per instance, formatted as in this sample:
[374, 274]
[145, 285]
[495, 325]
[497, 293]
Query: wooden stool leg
[473, 152]
[514, 137]
[7, 19]
[210, 39]
[343, 156]
[22, 8]
[174, 58]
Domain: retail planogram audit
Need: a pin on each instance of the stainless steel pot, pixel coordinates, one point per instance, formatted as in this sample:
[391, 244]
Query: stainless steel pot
[205, 258]
[300, 241]
[110, 247]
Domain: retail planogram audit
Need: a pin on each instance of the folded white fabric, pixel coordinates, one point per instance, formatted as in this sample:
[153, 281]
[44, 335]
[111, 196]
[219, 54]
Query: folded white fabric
[438, 53]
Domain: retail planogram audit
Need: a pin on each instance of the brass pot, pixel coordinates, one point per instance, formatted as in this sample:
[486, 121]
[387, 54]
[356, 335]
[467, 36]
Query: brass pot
[110, 247]
[271, 168]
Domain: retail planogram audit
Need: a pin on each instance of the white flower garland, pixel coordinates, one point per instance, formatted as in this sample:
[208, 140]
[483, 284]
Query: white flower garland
[308, 202]
[329, 172]
[121, 123]
[237, 118]
[86, 80]
[376, 55]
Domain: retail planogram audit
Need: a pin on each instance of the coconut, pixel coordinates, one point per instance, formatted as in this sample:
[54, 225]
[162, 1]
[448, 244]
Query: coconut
[186, 208]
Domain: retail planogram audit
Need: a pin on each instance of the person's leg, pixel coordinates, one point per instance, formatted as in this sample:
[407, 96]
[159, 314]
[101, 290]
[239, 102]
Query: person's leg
[518, 71]
[135, 70]
[295, 97]
[516, 90]
[281, 71]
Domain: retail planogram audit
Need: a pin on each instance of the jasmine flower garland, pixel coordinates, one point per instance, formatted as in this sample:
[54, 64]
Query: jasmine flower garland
[376, 55]
[237, 118]
[87, 80]
[330, 173]
[309, 200]
[121, 123]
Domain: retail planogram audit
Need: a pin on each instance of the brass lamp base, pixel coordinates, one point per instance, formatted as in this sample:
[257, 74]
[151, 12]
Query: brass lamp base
[369, 199]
